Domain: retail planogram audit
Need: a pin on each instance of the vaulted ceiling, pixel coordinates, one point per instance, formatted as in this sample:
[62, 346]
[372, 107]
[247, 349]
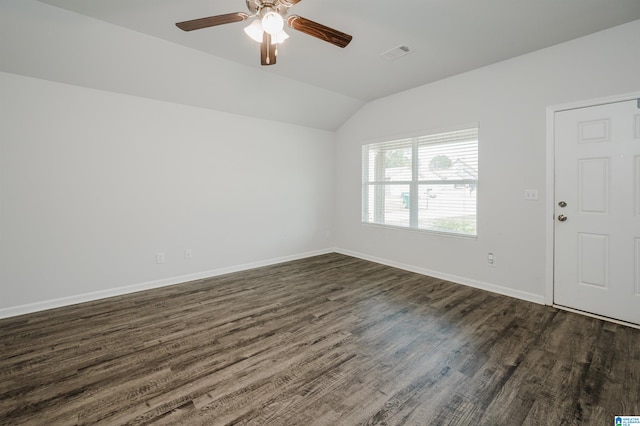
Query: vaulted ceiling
[134, 47]
[447, 37]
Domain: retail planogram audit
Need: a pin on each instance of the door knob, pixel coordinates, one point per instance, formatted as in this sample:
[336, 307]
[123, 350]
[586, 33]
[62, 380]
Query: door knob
[562, 204]
[562, 218]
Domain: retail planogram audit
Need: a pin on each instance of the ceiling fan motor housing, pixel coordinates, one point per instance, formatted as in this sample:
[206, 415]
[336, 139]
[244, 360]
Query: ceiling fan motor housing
[260, 8]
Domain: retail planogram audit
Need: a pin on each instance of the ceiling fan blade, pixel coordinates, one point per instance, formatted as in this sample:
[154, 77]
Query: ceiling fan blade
[211, 21]
[320, 31]
[267, 50]
[289, 3]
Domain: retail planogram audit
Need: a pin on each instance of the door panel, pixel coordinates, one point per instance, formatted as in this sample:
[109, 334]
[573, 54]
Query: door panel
[593, 260]
[593, 185]
[597, 238]
[594, 131]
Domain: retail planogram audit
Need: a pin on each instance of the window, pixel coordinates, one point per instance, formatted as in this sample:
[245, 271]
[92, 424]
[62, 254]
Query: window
[427, 182]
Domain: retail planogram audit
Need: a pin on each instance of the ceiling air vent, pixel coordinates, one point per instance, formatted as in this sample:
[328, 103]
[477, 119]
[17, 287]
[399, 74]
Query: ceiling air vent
[396, 52]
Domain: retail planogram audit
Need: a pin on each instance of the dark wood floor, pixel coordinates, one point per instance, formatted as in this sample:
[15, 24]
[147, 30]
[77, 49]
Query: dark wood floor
[329, 340]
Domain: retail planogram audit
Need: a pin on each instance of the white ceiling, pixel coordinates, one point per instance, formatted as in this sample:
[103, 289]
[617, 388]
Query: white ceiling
[448, 36]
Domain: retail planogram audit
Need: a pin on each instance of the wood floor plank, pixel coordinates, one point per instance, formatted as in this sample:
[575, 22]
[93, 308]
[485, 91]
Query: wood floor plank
[327, 340]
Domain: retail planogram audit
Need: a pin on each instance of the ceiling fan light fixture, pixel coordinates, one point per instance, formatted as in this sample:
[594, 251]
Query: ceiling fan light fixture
[272, 22]
[279, 38]
[254, 30]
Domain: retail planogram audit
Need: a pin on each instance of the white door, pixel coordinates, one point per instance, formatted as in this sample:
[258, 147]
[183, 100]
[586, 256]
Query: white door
[597, 210]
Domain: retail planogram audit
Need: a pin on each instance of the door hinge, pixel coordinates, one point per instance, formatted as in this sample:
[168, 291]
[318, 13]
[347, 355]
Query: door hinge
[638, 103]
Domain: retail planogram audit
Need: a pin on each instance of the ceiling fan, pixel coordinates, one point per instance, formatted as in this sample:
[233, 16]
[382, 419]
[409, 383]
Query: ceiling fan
[268, 26]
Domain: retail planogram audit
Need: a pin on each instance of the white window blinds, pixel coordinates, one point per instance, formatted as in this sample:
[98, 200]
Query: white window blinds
[427, 182]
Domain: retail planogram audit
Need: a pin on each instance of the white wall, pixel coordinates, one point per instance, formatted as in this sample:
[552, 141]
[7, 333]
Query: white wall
[43, 41]
[94, 183]
[509, 101]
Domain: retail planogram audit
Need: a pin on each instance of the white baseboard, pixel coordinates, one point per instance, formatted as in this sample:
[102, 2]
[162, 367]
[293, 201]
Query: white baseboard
[505, 291]
[118, 291]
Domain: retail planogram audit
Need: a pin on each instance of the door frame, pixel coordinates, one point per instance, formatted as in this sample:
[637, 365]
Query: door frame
[550, 185]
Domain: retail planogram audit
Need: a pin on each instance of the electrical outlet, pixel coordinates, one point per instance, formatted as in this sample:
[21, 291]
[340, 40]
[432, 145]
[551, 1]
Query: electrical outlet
[491, 260]
[160, 257]
[188, 253]
[531, 194]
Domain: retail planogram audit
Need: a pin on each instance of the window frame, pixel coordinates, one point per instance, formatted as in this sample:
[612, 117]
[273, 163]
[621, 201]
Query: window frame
[414, 183]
